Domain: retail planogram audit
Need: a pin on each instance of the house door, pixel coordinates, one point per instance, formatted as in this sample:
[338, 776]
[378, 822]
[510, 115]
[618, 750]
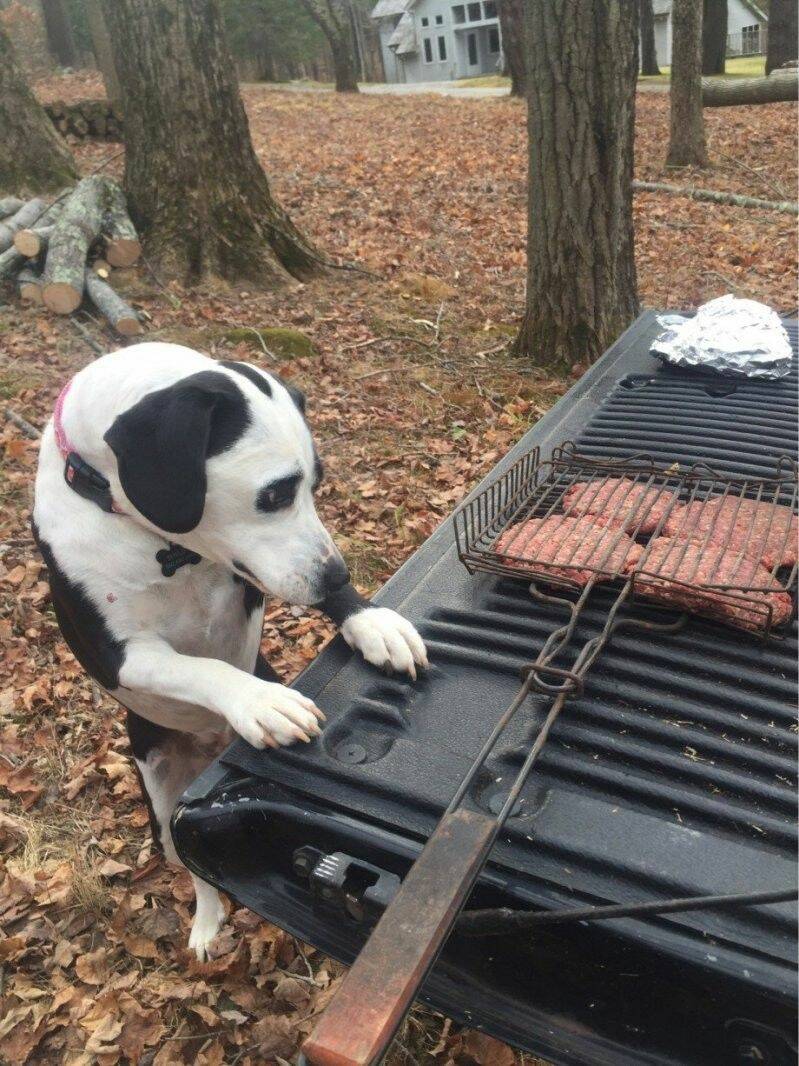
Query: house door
[471, 46]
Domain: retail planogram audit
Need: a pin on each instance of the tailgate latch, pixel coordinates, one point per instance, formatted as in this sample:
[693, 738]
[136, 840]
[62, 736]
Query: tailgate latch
[338, 880]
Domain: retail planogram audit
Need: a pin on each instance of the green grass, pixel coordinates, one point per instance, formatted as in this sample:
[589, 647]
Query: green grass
[739, 67]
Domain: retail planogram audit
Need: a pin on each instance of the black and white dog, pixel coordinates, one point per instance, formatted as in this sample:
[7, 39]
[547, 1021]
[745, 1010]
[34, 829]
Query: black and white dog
[173, 492]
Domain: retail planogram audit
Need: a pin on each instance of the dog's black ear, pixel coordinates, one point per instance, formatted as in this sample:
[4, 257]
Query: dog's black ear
[297, 396]
[163, 441]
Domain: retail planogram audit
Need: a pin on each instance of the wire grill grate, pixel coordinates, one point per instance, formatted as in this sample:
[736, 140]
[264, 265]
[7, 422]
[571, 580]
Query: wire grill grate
[731, 548]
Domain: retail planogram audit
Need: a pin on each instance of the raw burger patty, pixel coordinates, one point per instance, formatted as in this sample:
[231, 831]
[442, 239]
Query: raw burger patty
[688, 561]
[761, 530]
[558, 540]
[619, 501]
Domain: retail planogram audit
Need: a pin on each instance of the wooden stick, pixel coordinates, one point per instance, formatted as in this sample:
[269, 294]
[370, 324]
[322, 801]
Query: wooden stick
[21, 423]
[785, 206]
[111, 305]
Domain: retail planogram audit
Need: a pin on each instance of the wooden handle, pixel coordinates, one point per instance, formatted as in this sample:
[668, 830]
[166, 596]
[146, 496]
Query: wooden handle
[357, 1027]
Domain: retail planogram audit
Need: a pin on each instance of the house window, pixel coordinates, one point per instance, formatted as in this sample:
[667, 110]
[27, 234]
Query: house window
[471, 44]
[493, 40]
[474, 12]
[750, 40]
[442, 49]
[459, 14]
[428, 50]
[490, 9]
[425, 21]
[439, 20]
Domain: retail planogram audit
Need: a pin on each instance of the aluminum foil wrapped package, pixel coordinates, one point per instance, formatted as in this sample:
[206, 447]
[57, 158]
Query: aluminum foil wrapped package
[728, 335]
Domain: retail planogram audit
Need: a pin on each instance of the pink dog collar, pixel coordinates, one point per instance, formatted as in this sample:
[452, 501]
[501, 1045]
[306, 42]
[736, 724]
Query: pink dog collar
[82, 478]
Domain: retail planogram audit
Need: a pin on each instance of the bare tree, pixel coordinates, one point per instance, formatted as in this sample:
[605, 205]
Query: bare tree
[103, 51]
[334, 18]
[195, 187]
[511, 21]
[649, 55]
[582, 67]
[714, 36]
[687, 138]
[33, 158]
[60, 39]
[782, 33]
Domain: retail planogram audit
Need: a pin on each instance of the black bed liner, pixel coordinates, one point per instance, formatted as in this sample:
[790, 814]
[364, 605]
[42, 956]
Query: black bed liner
[673, 775]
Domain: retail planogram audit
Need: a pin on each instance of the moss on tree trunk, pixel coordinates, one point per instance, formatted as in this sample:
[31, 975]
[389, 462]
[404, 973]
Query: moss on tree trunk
[582, 66]
[33, 158]
[196, 191]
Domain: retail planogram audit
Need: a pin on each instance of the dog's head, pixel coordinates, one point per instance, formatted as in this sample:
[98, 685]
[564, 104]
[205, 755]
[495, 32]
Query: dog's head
[222, 462]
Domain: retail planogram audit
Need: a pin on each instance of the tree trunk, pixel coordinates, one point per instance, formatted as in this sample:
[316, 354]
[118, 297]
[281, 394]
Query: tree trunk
[103, 52]
[649, 55]
[511, 22]
[332, 18]
[122, 242]
[687, 141]
[770, 90]
[782, 33]
[196, 190]
[582, 68]
[714, 36]
[60, 39]
[33, 158]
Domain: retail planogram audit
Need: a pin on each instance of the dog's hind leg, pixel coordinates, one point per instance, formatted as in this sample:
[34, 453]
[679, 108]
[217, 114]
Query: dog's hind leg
[167, 761]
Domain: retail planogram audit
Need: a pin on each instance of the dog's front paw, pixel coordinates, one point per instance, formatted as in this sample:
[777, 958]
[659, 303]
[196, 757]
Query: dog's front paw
[270, 715]
[385, 639]
[208, 920]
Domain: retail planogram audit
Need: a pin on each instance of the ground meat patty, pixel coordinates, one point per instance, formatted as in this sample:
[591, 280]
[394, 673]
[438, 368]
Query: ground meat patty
[699, 566]
[553, 542]
[762, 531]
[619, 501]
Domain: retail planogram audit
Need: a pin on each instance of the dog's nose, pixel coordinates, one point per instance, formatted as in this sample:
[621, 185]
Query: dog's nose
[336, 574]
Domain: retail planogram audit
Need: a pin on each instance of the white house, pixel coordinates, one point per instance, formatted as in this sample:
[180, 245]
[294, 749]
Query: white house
[747, 25]
[438, 40]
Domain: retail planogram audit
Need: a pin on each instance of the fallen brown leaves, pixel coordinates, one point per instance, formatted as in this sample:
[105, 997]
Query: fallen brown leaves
[412, 397]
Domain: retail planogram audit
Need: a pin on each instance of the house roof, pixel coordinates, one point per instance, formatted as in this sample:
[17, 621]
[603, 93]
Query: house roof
[402, 41]
[389, 8]
[663, 7]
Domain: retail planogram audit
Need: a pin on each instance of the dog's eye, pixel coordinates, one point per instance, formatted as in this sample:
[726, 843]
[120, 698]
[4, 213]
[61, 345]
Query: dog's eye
[278, 494]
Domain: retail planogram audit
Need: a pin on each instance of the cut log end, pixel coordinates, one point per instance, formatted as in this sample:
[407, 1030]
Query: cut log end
[30, 292]
[61, 298]
[128, 327]
[28, 242]
[122, 252]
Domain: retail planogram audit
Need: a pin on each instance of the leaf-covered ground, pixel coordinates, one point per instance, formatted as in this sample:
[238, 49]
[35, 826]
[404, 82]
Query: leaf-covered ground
[412, 395]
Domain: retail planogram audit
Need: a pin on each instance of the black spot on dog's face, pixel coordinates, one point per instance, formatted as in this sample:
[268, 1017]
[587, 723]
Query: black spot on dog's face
[162, 444]
[82, 625]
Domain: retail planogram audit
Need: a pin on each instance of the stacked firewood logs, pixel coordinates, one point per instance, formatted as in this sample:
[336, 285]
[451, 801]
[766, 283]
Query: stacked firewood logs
[61, 253]
[86, 118]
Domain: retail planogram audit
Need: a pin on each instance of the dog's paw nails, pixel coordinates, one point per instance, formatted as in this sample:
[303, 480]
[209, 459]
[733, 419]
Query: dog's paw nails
[204, 931]
[386, 639]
